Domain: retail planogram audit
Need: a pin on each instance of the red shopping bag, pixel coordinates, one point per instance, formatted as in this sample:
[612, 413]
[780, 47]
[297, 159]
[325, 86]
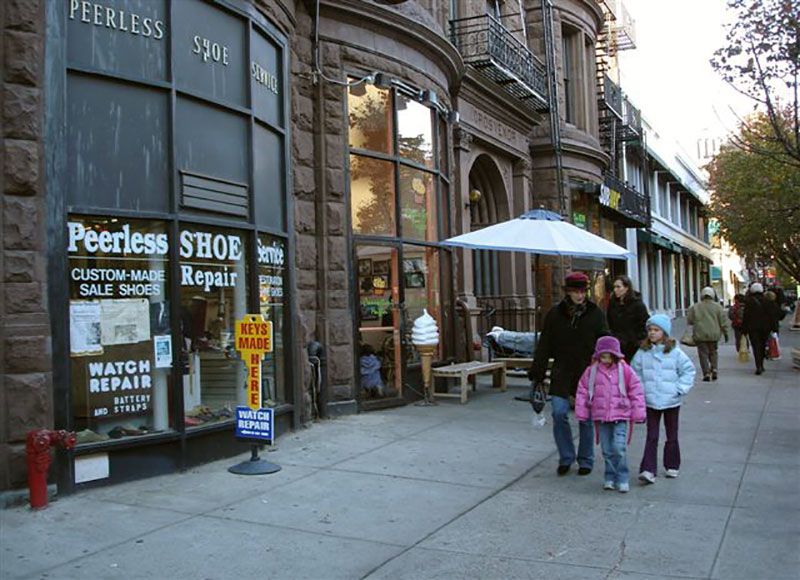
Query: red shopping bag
[774, 347]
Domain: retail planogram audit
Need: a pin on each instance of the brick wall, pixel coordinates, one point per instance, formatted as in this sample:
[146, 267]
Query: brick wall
[25, 351]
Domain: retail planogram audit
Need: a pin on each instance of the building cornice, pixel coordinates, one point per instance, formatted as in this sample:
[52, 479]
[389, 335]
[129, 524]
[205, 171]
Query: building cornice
[409, 31]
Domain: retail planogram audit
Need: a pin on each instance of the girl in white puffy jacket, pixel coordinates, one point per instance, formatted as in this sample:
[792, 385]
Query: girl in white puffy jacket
[667, 374]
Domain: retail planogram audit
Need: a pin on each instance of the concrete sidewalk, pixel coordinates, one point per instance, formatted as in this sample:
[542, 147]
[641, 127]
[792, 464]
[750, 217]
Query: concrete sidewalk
[452, 492]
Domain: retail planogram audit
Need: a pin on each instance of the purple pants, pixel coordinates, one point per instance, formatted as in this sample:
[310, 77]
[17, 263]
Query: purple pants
[672, 450]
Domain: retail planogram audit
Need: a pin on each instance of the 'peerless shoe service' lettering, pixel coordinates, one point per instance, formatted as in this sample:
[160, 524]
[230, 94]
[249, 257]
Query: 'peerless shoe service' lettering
[264, 77]
[122, 242]
[210, 50]
[100, 15]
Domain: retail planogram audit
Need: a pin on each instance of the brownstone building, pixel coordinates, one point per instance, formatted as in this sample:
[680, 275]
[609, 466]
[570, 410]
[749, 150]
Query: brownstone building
[170, 166]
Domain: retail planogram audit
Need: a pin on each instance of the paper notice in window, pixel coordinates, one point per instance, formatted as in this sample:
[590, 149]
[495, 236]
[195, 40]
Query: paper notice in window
[124, 321]
[84, 328]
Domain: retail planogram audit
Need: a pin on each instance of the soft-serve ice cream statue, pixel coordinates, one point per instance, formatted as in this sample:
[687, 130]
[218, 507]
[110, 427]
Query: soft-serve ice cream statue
[425, 337]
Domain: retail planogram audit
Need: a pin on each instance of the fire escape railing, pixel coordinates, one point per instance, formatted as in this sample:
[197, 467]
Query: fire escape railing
[612, 96]
[625, 200]
[631, 122]
[489, 47]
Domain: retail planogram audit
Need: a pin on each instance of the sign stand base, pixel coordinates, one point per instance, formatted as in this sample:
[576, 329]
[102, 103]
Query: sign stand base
[254, 465]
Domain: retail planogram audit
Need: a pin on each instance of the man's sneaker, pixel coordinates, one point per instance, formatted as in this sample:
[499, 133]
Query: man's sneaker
[714, 375]
[562, 469]
[647, 478]
[706, 378]
[671, 473]
[609, 486]
[624, 487]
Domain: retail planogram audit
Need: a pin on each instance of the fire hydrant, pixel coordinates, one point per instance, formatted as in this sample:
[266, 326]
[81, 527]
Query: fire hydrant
[37, 452]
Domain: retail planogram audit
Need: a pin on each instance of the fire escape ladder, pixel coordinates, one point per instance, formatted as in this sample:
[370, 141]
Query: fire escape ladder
[554, 113]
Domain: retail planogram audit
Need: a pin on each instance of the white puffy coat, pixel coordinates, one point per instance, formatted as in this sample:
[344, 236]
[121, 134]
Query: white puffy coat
[666, 377]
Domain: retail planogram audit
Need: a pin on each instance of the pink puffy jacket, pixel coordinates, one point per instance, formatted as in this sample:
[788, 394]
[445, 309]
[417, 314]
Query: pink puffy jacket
[607, 402]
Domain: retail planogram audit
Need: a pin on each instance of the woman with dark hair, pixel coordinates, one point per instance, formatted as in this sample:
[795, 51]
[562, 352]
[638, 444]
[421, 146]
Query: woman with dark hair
[627, 316]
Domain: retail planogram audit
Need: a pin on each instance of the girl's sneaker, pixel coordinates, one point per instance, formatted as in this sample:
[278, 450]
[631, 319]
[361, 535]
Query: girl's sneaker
[609, 486]
[671, 473]
[624, 487]
[647, 478]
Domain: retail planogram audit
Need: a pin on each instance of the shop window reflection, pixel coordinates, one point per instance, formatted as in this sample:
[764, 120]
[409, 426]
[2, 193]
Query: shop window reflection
[213, 296]
[372, 199]
[370, 118]
[414, 131]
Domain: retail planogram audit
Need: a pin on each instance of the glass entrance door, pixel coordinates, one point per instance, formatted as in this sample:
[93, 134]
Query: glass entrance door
[380, 348]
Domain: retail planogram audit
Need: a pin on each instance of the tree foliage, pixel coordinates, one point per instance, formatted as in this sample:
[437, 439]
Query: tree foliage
[756, 197]
[762, 61]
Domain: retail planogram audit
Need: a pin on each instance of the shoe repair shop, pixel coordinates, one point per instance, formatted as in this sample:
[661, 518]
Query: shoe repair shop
[173, 227]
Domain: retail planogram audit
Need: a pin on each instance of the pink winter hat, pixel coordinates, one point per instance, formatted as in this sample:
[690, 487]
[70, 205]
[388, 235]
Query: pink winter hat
[607, 344]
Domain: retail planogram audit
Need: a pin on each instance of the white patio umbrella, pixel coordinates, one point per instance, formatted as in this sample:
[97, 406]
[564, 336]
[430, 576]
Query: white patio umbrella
[539, 232]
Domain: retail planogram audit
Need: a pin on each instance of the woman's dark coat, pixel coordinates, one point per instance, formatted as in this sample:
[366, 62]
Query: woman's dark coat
[760, 315]
[570, 345]
[627, 321]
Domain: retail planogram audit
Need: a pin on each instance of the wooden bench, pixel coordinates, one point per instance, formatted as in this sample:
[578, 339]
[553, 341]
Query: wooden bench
[463, 371]
[514, 363]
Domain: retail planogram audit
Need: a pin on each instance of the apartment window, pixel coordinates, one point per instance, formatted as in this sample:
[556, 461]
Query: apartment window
[572, 62]
[569, 99]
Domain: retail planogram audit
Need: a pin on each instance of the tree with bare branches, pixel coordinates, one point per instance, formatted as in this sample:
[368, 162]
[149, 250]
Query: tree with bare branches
[762, 61]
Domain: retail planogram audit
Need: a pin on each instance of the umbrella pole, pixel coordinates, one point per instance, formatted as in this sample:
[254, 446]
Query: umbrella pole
[536, 298]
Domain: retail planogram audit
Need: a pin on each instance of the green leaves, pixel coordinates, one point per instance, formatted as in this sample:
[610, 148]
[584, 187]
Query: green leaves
[756, 194]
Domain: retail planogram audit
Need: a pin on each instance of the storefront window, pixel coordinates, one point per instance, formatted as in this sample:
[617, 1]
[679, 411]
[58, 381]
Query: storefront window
[272, 293]
[380, 349]
[213, 296]
[421, 280]
[418, 204]
[395, 280]
[119, 326]
[372, 199]
[370, 115]
[414, 131]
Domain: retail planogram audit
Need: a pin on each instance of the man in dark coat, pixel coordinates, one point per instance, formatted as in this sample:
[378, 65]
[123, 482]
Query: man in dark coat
[758, 322]
[568, 336]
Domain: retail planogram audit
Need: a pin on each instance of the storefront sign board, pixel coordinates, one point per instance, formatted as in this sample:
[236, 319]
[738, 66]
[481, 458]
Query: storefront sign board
[255, 423]
[253, 340]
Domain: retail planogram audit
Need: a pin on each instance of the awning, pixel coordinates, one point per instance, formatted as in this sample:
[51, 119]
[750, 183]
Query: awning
[655, 239]
[716, 273]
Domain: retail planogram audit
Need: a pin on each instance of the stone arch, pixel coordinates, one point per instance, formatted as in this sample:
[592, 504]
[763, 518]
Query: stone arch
[492, 270]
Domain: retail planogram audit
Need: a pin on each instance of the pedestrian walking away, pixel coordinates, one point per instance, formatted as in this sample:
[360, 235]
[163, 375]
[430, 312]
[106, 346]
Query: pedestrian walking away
[570, 331]
[627, 315]
[709, 325]
[610, 394]
[735, 315]
[667, 375]
[758, 322]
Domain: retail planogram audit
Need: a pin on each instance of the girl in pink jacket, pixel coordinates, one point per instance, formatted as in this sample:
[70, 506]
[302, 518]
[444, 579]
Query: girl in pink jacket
[610, 394]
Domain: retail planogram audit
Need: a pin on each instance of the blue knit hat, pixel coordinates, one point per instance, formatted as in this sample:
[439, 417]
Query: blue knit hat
[662, 321]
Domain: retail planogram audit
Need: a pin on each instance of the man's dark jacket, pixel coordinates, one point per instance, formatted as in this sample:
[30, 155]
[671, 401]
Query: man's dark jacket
[570, 345]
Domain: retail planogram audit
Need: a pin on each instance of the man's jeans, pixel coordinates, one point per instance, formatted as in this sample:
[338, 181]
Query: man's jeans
[562, 433]
[707, 352]
[614, 442]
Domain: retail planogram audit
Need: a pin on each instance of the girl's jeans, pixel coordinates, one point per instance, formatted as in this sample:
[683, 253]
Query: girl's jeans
[562, 433]
[672, 451]
[613, 442]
